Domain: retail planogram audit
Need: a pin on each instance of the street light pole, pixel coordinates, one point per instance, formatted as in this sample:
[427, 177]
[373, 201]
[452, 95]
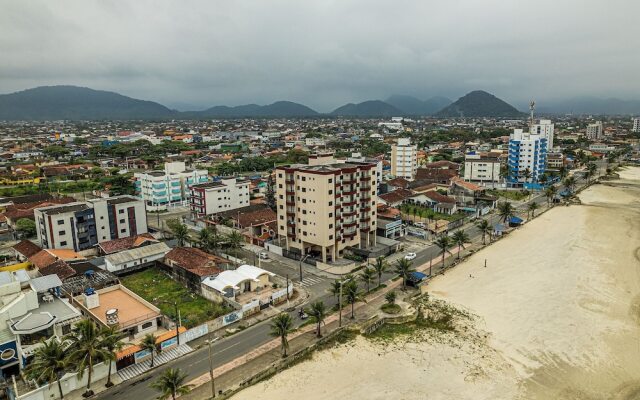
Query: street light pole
[175, 303]
[301, 260]
[340, 307]
[213, 383]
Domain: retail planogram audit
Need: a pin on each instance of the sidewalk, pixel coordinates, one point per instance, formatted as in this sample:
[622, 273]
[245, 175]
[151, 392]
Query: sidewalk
[159, 359]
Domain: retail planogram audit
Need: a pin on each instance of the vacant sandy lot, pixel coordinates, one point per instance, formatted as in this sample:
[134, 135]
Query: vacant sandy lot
[559, 299]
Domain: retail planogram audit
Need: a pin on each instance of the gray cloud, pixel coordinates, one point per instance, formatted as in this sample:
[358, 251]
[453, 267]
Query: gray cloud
[323, 53]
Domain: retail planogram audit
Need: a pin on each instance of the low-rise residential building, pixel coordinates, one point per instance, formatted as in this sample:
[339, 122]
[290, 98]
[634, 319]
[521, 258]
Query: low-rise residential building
[69, 226]
[479, 168]
[119, 217]
[171, 187]
[555, 161]
[214, 197]
[136, 258]
[191, 265]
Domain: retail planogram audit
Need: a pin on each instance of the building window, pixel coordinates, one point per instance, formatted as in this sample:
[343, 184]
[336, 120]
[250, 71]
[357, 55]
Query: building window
[147, 325]
[120, 211]
[60, 222]
[63, 243]
[122, 221]
[62, 233]
[123, 230]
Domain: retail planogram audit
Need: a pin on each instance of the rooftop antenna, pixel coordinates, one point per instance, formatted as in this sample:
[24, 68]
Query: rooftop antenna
[532, 106]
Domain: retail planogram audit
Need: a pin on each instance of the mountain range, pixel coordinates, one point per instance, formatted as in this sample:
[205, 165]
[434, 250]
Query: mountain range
[79, 103]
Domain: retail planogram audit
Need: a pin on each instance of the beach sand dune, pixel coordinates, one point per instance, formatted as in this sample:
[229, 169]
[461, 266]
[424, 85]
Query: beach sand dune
[559, 302]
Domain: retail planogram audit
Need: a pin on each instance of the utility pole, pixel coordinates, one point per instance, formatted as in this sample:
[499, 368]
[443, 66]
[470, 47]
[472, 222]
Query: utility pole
[340, 307]
[287, 287]
[177, 322]
[213, 383]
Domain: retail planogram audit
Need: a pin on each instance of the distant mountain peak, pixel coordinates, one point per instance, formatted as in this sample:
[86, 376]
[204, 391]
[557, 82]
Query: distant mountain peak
[413, 106]
[369, 108]
[479, 103]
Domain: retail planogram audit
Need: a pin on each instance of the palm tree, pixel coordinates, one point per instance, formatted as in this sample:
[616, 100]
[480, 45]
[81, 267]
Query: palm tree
[148, 343]
[318, 313]
[352, 295]
[562, 171]
[485, 228]
[234, 241]
[367, 276]
[403, 268]
[281, 326]
[180, 231]
[543, 179]
[335, 288]
[390, 297]
[443, 242]
[550, 192]
[460, 237]
[526, 174]
[505, 211]
[380, 266]
[591, 171]
[85, 349]
[532, 208]
[171, 383]
[111, 340]
[49, 363]
[204, 238]
[570, 183]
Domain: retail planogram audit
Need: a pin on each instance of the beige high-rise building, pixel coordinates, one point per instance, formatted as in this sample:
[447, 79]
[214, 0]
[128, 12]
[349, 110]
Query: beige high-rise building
[324, 207]
[404, 159]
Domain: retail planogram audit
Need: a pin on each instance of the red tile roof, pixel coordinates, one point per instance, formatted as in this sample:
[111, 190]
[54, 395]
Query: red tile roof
[395, 196]
[60, 268]
[27, 248]
[116, 245]
[195, 260]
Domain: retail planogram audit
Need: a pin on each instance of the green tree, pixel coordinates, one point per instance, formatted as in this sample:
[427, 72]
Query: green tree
[591, 171]
[318, 312]
[570, 183]
[505, 211]
[352, 295]
[444, 243]
[270, 195]
[550, 192]
[171, 383]
[460, 237]
[26, 227]
[180, 231]
[49, 363]
[281, 326]
[148, 343]
[55, 151]
[234, 241]
[380, 267]
[532, 209]
[485, 229]
[111, 340]
[390, 297]
[335, 288]
[85, 350]
[367, 276]
[403, 268]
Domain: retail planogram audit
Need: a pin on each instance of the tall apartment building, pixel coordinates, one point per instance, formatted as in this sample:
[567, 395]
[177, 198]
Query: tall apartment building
[527, 151]
[325, 207]
[82, 225]
[119, 217]
[636, 124]
[214, 197]
[169, 188]
[594, 131]
[404, 159]
[545, 128]
[481, 168]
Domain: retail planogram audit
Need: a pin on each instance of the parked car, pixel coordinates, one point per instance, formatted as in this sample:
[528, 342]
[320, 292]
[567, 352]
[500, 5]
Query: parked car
[410, 256]
[264, 255]
[421, 225]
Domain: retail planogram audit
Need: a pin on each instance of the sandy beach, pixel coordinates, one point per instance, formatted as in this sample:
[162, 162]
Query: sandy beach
[557, 317]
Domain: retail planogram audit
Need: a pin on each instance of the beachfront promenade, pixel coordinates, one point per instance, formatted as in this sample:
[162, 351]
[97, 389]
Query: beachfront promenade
[241, 355]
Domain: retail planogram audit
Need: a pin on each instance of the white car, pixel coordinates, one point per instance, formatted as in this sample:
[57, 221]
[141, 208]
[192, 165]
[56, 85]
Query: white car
[410, 256]
[420, 225]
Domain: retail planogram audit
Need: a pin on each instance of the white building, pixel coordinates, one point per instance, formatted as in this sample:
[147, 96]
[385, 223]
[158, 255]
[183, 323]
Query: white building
[594, 131]
[69, 226]
[404, 159]
[545, 128]
[118, 217]
[527, 152]
[479, 168]
[169, 188]
[214, 197]
[636, 125]
[133, 259]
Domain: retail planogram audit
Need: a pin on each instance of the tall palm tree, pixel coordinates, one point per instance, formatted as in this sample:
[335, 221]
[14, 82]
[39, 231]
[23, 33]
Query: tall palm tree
[526, 174]
[380, 267]
[180, 231]
[591, 171]
[532, 209]
[318, 313]
[460, 237]
[485, 229]
[85, 349]
[550, 192]
[570, 183]
[49, 363]
[234, 241]
[543, 179]
[204, 238]
[111, 340]
[352, 295]
[443, 242]
[335, 288]
[367, 276]
[281, 326]
[171, 383]
[563, 172]
[505, 211]
[403, 268]
[148, 343]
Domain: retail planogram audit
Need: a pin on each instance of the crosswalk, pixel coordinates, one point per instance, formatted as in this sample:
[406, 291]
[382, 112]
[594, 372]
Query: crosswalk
[137, 369]
[310, 281]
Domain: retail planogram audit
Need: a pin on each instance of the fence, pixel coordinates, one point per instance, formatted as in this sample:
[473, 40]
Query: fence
[273, 248]
[69, 382]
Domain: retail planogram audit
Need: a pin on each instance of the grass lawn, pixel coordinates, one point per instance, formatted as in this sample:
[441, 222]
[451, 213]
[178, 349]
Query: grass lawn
[515, 195]
[160, 290]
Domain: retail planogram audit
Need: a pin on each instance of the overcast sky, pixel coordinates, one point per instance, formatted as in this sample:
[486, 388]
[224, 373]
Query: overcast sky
[323, 53]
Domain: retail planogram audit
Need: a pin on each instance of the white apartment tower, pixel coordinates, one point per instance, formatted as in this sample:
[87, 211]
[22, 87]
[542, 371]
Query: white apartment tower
[545, 128]
[171, 187]
[594, 131]
[404, 159]
[636, 125]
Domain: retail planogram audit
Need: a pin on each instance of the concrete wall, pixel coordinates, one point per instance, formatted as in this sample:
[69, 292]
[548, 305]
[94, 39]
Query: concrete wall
[70, 382]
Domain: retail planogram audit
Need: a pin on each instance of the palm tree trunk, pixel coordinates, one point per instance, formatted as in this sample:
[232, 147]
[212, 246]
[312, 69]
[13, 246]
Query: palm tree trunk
[173, 394]
[443, 260]
[379, 280]
[152, 359]
[60, 388]
[352, 310]
[458, 252]
[109, 384]
[88, 391]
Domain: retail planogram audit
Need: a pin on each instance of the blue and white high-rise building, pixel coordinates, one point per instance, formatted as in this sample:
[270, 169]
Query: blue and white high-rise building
[527, 152]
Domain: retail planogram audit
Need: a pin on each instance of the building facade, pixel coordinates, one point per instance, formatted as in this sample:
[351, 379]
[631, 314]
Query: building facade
[325, 207]
[404, 159]
[69, 226]
[214, 197]
[478, 168]
[544, 128]
[119, 217]
[161, 190]
[527, 152]
[636, 125]
[594, 131]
